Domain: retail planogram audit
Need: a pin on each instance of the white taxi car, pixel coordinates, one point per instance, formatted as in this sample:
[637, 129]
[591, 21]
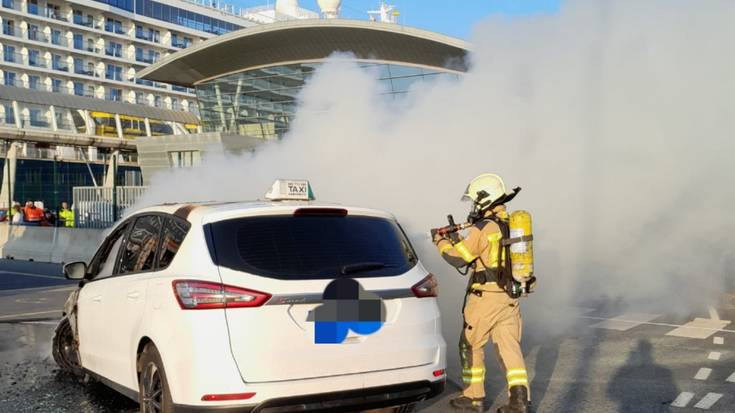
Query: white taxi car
[207, 306]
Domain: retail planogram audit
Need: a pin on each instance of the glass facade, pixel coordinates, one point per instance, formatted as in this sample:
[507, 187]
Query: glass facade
[120, 4]
[9, 78]
[261, 102]
[174, 15]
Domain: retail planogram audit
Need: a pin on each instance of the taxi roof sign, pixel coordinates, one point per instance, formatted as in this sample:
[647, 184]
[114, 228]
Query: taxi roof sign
[290, 190]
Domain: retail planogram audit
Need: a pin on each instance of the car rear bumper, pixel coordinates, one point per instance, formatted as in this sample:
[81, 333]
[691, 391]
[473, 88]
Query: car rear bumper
[351, 400]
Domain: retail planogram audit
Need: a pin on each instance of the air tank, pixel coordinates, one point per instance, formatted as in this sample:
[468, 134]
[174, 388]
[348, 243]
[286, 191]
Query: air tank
[521, 252]
[330, 8]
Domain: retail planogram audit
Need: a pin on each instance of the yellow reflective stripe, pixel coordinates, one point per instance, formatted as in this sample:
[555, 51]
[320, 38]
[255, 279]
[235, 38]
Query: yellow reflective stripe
[516, 382]
[473, 379]
[516, 377]
[444, 248]
[473, 375]
[494, 240]
[514, 372]
[464, 252]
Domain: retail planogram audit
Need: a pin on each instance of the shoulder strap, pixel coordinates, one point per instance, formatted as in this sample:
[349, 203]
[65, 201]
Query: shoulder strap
[504, 265]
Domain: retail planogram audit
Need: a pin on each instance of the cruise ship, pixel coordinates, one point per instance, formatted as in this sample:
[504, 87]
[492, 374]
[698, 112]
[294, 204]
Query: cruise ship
[70, 95]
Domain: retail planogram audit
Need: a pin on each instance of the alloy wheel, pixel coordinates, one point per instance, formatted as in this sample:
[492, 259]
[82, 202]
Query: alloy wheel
[152, 389]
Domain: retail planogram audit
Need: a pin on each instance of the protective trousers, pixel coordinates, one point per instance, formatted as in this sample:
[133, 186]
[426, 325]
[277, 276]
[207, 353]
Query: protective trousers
[491, 315]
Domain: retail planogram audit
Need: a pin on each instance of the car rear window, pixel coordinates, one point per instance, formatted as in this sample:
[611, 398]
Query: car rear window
[312, 247]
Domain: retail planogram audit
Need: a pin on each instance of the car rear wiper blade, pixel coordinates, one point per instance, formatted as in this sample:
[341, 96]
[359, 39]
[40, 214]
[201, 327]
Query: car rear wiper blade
[360, 267]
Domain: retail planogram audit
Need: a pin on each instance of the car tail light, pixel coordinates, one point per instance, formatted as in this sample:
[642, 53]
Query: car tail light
[438, 373]
[428, 287]
[203, 295]
[223, 397]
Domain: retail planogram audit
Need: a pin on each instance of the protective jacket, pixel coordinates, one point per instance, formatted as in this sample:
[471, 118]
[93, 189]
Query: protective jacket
[482, 249]
[33, 214]
[67, 216]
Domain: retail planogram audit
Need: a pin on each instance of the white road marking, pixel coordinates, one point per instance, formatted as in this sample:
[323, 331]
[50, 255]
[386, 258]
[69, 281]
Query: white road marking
[719, 340]
[714, 330]
[703, 374]
[683, 399]
[713, 313]
[626, 321]
[731, 379]
[708, 401]
[29, 314]
[55, 290]
[52, 323]
[714, 355]
[26, 300]
[699, 328]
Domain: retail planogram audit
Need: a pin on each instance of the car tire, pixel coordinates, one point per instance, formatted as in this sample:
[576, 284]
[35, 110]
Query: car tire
[65, 349]
[154, 395]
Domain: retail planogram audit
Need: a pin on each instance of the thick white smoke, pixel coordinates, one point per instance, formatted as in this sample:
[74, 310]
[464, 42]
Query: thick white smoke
[616, 118]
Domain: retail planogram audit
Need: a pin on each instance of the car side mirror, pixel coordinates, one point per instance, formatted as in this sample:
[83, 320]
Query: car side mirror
[75, 270]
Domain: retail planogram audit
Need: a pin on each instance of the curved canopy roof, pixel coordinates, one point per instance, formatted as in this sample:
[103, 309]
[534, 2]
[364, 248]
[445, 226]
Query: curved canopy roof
[307, 40]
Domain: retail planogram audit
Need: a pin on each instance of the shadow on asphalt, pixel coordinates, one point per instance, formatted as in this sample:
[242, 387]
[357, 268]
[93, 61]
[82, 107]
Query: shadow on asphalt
[97, 396]
[546, 359]
[632, 388]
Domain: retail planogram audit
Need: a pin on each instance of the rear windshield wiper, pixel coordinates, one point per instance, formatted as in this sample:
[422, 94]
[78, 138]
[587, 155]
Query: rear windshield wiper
[360, 267]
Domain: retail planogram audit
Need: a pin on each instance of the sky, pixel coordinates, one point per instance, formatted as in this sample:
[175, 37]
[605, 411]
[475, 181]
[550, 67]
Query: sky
[454, 18]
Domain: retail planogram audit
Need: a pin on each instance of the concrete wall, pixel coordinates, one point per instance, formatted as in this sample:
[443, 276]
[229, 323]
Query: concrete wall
[48, 244]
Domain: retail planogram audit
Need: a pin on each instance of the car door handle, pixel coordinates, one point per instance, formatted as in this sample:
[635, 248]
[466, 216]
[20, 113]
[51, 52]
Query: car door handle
[97, 298]
[133, 295]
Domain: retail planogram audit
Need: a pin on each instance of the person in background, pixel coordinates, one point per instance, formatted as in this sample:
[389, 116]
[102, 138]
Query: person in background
[33, 214]
[49, 219]
[66, 216]
[11, 211]
[17, 215]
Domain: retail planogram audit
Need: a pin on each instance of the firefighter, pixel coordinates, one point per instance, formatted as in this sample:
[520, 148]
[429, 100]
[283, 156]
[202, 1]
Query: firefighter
[491, 310]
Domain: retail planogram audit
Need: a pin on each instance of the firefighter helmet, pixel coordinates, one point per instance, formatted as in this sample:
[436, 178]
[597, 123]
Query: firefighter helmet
[485, 188]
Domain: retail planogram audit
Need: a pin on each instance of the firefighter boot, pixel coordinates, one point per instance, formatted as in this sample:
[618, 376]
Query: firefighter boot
[518, 402]
[464, 403]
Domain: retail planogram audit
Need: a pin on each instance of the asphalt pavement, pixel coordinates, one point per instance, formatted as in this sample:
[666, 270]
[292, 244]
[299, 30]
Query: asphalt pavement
[607, 360]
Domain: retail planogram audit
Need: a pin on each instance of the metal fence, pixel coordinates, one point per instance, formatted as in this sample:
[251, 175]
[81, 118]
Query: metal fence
[48, 175]
[100, 207]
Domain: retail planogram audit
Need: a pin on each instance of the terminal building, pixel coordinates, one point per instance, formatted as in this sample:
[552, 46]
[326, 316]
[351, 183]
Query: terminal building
[247, 81]
[70, 91]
